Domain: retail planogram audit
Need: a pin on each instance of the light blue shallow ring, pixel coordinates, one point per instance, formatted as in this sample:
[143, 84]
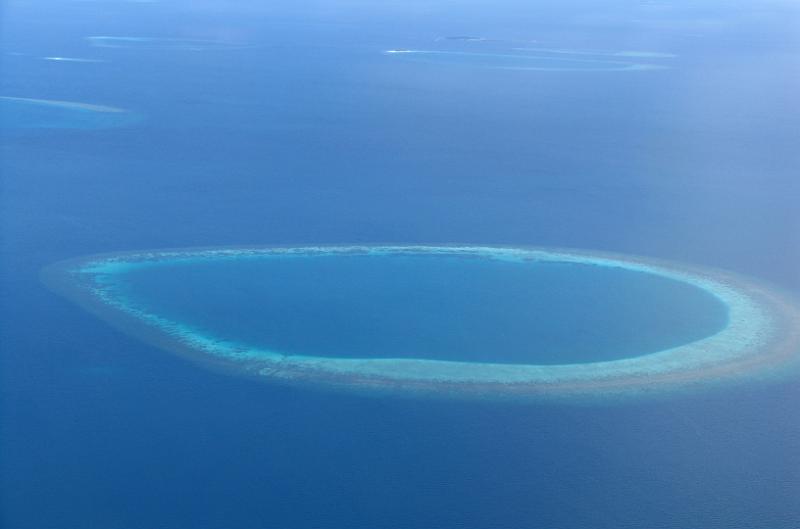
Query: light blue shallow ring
[760, 341]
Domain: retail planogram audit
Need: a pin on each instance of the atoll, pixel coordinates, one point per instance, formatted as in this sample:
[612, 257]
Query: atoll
[760, 340]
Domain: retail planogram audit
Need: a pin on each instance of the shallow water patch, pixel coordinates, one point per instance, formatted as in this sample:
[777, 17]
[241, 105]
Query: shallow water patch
[521, 60]
[160, 43]
[22, 113]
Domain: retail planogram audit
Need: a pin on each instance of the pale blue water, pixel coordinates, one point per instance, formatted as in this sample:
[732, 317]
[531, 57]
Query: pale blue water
[295, 127]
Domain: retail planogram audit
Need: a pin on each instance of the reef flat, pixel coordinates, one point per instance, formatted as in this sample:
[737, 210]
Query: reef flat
[527, 59]
[29, 113]
[758, 339]
[72, 59]
[157, 43]
[600, 53]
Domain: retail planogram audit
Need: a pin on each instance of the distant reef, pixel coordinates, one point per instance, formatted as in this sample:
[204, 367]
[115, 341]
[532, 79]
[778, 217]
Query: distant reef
[24, 113]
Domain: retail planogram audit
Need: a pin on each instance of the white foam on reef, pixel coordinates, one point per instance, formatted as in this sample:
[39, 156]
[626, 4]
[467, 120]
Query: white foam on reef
[761, 338]
[71, 59]
[24, 113]
[75, 105]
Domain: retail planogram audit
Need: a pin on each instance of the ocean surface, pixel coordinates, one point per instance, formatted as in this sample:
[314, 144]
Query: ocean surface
[662, 129]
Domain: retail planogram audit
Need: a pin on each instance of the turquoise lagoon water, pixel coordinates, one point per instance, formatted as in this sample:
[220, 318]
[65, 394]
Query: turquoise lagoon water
[444, 307]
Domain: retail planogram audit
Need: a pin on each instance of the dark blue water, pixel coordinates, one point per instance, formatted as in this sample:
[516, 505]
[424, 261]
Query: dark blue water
[308, 133]
[428, 306]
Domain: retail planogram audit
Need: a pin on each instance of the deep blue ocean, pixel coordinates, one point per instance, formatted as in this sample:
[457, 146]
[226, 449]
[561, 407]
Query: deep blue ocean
[280, 123]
